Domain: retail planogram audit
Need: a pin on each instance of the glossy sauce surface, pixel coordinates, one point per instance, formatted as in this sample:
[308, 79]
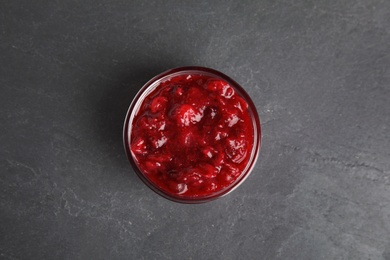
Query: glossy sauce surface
[192, 136]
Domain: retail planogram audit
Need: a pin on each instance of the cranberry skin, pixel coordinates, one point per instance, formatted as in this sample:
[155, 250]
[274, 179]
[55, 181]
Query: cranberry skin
[186, 115]
[192, 136]
[158, 104]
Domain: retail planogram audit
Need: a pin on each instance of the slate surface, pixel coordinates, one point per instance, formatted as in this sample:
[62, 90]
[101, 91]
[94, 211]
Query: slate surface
[318, 71]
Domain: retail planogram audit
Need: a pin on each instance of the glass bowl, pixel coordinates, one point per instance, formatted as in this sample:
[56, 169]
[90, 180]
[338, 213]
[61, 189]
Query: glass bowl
[158, 185]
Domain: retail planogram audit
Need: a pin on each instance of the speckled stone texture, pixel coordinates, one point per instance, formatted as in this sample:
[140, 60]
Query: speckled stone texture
[318, 71]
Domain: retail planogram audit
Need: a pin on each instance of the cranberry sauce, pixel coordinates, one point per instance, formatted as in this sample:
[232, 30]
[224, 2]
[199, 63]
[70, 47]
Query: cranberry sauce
[192, 136]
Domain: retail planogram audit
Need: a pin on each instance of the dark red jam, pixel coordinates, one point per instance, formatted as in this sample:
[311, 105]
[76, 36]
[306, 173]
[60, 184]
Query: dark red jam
[192, 136]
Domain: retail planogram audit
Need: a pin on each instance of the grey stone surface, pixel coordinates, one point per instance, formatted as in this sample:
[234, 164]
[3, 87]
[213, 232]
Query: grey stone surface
[318, 71]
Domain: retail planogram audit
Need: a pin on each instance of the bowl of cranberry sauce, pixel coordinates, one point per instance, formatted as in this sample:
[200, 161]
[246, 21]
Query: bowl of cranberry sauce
[192, 134]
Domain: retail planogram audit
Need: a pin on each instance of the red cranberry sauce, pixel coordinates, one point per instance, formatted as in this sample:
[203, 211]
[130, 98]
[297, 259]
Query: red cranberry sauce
[192, 136]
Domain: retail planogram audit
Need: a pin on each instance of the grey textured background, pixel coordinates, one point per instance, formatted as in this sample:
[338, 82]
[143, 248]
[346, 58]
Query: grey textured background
[318, 71]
